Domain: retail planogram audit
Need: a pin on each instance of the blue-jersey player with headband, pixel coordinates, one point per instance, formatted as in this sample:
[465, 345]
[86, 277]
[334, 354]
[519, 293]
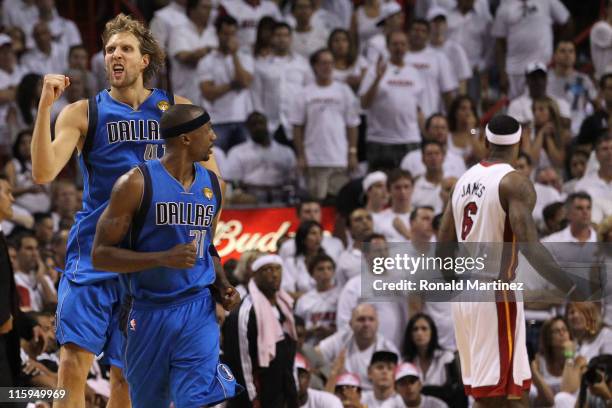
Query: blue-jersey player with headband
[113, 132]
[157, 232]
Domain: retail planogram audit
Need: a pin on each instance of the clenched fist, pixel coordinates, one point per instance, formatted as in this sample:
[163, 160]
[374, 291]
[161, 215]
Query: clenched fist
[182, 256]
[53, 87]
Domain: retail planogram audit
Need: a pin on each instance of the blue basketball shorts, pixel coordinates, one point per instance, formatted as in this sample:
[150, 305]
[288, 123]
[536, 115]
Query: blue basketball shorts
[172, 354]
[88, 316]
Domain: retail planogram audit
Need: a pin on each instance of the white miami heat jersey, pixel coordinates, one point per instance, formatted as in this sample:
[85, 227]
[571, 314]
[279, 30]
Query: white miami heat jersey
[477, 210]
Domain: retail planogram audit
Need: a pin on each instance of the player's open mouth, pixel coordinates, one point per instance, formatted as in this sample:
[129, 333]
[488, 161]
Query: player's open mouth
[117, 70]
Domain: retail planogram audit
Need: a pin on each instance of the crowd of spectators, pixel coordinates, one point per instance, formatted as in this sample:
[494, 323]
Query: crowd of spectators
[375, 107]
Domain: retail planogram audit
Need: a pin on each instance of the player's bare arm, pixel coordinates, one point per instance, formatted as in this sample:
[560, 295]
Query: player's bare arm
[114, 224]
[49, 157]
[447, 235]
[518, 198]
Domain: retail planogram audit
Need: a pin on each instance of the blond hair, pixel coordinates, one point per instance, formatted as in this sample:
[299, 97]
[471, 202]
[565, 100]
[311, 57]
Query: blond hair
[148, 44]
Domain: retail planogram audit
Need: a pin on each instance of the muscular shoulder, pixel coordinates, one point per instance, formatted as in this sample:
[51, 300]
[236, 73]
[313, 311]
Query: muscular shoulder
[515, 186]
[77, 113]
[129, 183]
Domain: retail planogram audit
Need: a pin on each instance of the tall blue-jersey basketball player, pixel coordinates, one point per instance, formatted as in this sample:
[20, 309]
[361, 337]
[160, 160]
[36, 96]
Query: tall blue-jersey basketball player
[113, 132]
[157, 232]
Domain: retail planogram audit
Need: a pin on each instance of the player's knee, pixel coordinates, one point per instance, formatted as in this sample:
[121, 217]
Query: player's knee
[75, 362]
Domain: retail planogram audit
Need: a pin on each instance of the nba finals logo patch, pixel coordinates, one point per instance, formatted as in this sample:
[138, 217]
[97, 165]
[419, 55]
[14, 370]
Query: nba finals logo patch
[163, 105]
[224, 372]
[208, 193]
[133, 325]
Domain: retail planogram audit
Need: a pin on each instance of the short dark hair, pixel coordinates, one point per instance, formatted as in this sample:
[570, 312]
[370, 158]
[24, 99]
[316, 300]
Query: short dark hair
[22, 234]
[306, 200]
[317, 259]
[551, 209]
[39, 216]
[314, 57]
[281, 24]
[415, 212]
[397, 174]
[225, 19]
[580, 195]
[421, 21]
[603, 79]
[373, 236]
[76, 47]
[428, 142]
[348, 219]
[432, 117]
[603, 137]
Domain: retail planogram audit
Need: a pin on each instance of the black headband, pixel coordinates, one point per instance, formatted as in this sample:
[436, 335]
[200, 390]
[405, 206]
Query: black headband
[186, 127]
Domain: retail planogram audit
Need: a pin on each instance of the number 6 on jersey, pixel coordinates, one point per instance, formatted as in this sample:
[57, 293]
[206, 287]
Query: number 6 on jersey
[466, 225]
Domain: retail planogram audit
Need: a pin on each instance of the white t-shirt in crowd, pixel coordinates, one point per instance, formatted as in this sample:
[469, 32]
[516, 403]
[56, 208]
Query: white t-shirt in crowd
[545, 195]
[471, 31]
[235, 105]
[595, 186]
[29, 290]
[438, 76]
[601, 47]
[258, 165]
[577, 90]
[318, 308]
[9, 80]
[321, 399]
[392, 329]
[565, 235]
[166, 20]
[248, 17]
[427, 194]
[452, 166]
[392, 116]
[64, 31]
[295, 275]
[36, 61]
[331, 245]
[326, 112]
[357, 361]
[308, 42]
[377, 48]
[275, 83]
[436, 373]
[188, 38]
[383, 224]
[458, 59]
[221, 160]
[360, 65]
[521, 108]
[366, 27]
[16, 13]
[441, 313]
[370, 401]
[601, 344]
[527, 28]
[426, 402]
[348, 265]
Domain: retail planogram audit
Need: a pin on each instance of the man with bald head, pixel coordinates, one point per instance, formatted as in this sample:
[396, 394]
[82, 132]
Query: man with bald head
[357, 345]
[157, 233]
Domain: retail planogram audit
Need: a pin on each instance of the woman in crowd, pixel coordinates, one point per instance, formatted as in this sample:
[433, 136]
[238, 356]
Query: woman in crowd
[296, 278]
[556, 347]
[349, 67]
[545, 139]
[586, 328]
[263, 46]
[28, 195]
[575, 169]
[466, 139]
[441, 375]
[363, 22]
[28, 94]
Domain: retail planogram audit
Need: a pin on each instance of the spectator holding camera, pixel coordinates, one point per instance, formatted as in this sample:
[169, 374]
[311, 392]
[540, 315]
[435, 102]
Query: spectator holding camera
[587, 386]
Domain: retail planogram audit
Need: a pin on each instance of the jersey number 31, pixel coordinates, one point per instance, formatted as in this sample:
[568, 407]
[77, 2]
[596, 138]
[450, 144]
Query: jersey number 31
[466, 225]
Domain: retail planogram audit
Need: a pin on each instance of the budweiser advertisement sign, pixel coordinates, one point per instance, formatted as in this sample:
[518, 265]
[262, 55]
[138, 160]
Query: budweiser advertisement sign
[259, 228]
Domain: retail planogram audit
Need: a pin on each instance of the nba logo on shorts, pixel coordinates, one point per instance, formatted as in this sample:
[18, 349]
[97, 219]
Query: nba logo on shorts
[225, 372]
[133, 324]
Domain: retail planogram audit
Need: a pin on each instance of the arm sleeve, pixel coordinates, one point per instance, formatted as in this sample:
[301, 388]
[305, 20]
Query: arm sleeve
[447, 80]
[351, 115]
[297, 112]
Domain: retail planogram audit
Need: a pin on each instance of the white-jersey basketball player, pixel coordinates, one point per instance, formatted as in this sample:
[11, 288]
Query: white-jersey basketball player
[492, 202]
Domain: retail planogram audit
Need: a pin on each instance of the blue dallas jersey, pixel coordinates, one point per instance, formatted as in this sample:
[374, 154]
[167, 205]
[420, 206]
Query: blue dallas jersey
[170, 215]
[118, 139]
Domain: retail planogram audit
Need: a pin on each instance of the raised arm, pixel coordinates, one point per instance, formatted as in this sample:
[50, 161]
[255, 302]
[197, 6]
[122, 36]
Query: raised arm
[49, 157]
[518, 198]
[114, 224]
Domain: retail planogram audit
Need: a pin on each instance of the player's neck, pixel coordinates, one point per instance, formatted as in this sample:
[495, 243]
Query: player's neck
[499, 157]
[133, 95]
[179, 167]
